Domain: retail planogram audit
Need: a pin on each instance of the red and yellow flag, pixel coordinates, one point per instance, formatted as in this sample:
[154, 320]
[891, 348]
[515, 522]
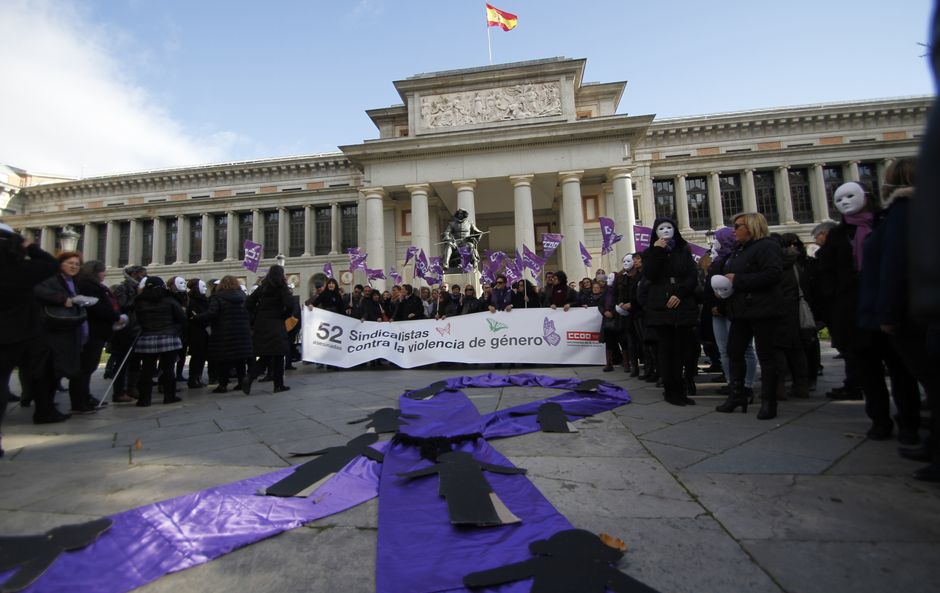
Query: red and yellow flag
[500, 18]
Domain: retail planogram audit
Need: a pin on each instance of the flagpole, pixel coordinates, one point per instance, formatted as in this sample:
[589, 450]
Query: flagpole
[489, 41]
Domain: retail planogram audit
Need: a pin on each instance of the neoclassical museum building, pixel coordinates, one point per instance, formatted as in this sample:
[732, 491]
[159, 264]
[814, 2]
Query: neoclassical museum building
[526, 148]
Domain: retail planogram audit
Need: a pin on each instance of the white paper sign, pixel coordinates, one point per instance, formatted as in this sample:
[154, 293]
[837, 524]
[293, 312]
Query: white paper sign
[521, 335]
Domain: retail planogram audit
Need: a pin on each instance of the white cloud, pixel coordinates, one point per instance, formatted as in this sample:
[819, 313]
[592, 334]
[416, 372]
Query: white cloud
[69, 108]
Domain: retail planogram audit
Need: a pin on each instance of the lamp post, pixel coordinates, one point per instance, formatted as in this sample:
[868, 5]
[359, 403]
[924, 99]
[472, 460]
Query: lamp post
[68, 238]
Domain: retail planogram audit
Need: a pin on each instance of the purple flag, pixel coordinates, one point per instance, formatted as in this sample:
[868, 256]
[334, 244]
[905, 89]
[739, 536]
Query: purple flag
[421, 264]
[466, 262]
[253, 253]
[433, 281]
[434, 265]
[550, 242]
[608, 236]
[357, 259]
[328, 270]
[641, 236]
[532, 261]
[375, 274]
[513, 274]
[495, 257]
[394, 275]
[412, 252]
[698, 252]
[585, 254]
[487, 274]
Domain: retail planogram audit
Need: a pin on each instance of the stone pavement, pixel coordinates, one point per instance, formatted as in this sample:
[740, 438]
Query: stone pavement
[706, 502]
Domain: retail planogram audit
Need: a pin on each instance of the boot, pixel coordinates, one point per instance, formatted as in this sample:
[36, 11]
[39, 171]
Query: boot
[609, 367]
[768, 408]
[737, 398]
[690, 387]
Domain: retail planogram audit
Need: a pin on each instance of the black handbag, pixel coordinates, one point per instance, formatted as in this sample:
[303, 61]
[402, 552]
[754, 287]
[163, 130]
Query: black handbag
[59, 317]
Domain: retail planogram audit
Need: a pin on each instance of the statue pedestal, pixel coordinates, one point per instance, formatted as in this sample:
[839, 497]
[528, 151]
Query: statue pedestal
[463, 279]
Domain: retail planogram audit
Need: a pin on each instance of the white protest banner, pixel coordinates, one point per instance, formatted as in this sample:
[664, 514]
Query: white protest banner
[521, 335]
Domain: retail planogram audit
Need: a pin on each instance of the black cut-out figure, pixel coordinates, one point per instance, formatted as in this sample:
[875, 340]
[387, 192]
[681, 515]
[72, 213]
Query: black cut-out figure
[571, 561]
[429, 391]
[33, 554]
[470, 498]
[551, 417]
[589, 385]
[385, 420]
[331, 460]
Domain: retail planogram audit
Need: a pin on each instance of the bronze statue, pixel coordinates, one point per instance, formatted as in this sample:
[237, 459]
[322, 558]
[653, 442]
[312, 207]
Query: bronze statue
[460, 232]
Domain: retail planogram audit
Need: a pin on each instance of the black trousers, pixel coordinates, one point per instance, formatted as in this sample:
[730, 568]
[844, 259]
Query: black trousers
[197, 363]
[223, 369]
[274, 366]
[166, 360]
[739, 336]
[673, 347]
[80, 387]
[872, 359]
[910, 343]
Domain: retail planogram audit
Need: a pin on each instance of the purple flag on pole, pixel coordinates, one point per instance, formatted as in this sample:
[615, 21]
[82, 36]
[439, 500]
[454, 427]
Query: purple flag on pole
[608, 236]
[466, 262]
[550, 242]
[328, 270]
[394, 275]
[513, 273]
[253, 253]
[433, 281]
[434, 265]
[375, 274]
[532, 261]
[487, 274]
[641, 236]
[357, 259]
[421, 264]
[585, 254]
[496, 257]
[412, 252]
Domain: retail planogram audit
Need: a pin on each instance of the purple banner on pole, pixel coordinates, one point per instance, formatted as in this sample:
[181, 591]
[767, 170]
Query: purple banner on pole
[550, 242]
[412, 251]
[357, 259]
[328, 269]
[641, 236]
[421, 264]
[698, 252]
[608, 236]
[377, 274]
[495, 257]
[253, 253]
[532, 261]
[434, 265]
[394, 275]
[585, 254]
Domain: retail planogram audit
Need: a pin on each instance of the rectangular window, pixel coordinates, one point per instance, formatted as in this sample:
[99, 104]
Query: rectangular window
[124, 243]
[697, 193]
[146, 247]
[80, 247]
[220, 238]
[732, 202]
[664, 196]
[766, 190]
[636, 208]
[170, 233]
[271, 218]
[868, 178]
[406, 223]
[296, 230]
[832, 179]
[245, 222]
[323, 221]
[102, 242]
[590, 208]
[195, 239]
[349, 235]
[799, 195]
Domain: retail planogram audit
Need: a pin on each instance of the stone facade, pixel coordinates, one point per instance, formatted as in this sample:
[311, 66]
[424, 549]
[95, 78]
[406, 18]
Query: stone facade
[526, 148]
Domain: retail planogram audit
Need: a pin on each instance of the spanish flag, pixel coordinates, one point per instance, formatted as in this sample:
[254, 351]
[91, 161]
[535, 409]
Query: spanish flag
[500, 18]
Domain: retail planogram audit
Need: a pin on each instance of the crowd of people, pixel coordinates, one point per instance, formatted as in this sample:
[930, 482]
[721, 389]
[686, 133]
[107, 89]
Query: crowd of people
[757, 300]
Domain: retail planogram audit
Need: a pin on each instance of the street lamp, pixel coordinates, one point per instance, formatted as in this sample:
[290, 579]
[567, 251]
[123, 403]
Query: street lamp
[68, 238]
[280, 259]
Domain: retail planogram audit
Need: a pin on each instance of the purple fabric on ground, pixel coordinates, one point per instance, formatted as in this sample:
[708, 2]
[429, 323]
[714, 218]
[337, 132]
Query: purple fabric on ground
[148, 542]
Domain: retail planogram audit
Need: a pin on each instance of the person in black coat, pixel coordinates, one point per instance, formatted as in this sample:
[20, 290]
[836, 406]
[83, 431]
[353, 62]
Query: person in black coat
[410, 307]
[197, 303]
[670, 305]
[524, 296]
[329, 299]
[470, 303]
[625, 287]
[122, 340]
[229, 331]
[102, 317]
[373, 309]
[161, 319]
[754, 269]
[789, 340]
[24, 266]
[270, 304]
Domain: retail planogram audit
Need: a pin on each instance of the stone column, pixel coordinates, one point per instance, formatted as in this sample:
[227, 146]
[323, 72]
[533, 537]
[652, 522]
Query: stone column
[647, 200]
[208, 238]
[573, 217]
[375, 230]
[231, 238]
[361, 221]
[308, 231]
[420, 219]
[334, 228]
[621, 180]
[112, 244]
[880, 168]
[850, 172]
[257, 226]
[159, 242]
[90, 232]
[47, 238]
[682, 204]
[714, 199]
[748, 192]
[465, 199]
[817, 188]
[134, 245]
[182, 240]
[522, 204]
[784, 199]
[283, 231]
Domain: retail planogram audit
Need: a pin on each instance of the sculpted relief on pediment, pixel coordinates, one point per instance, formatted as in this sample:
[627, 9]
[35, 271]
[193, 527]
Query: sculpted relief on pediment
[522, 101]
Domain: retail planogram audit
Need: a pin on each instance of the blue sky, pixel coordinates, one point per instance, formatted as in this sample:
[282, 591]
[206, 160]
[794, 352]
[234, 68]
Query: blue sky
[121, 85]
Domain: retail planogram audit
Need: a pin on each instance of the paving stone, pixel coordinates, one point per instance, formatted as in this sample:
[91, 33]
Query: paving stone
[875, 458]
[752, 459]
[713, 432]
[674, 458]
[600, 435]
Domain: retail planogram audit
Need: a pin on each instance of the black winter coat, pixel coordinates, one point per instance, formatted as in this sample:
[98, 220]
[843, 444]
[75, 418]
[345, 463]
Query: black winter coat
[329, 300]
[408, 306]
[885, 280]
[103, 314]
[670, 273]
[227, 317]
[372, 310]
[757, 267]
[198, 336]
[19, 313]
[839, 283]
[270, 306]
[159, 313]
[63, 345]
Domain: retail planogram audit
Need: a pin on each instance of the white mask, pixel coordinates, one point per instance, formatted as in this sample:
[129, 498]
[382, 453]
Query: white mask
[849, 198]
[610, 279]
[180, 284]
[665, 230]
[203, 288]
[628, 262]
[722, 287]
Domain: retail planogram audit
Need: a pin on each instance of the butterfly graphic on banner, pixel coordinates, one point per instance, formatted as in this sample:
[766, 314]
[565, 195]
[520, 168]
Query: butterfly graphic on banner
[548, 330]
[496, 326]
[443, 330]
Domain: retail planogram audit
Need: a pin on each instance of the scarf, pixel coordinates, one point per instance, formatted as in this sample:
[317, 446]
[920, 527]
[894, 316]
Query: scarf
[863, 222]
